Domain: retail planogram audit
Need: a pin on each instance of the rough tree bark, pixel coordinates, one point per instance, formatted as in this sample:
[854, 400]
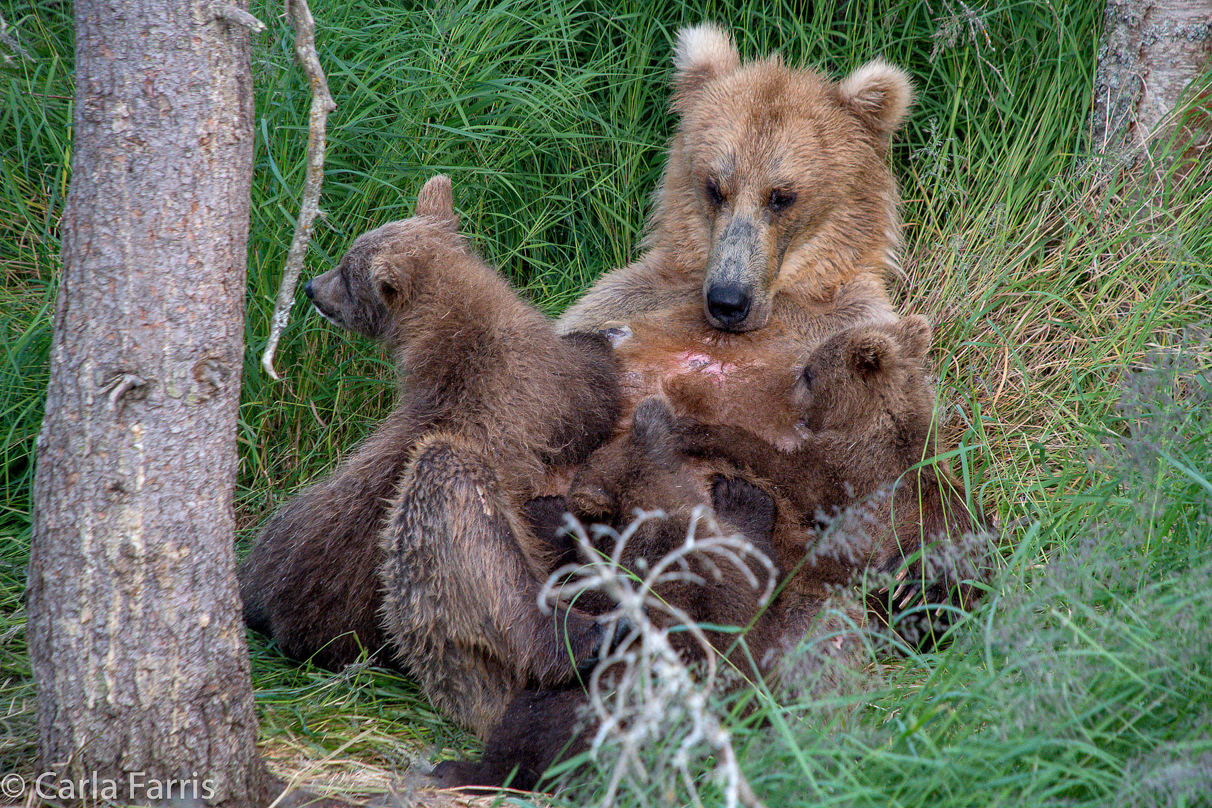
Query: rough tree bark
[135, 632]
[1151, 51]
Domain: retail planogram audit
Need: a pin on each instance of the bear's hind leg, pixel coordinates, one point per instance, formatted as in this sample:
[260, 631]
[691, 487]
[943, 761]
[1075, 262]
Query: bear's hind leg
[461, 595]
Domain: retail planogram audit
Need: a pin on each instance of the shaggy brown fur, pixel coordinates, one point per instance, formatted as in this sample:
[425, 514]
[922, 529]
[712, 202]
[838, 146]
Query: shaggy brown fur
[641, 470]
[461, 577]
[650, 469]
[645, 470]
[311, 581]
[491, 403]
[747, 132]
[868, 410]
[776, 200]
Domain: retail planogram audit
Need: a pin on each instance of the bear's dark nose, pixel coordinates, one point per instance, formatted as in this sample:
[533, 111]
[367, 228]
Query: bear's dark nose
[307, 291]
[728, 304]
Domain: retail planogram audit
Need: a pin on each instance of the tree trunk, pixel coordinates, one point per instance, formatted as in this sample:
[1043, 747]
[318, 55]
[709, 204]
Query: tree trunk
[1151, 50]
[135, 631]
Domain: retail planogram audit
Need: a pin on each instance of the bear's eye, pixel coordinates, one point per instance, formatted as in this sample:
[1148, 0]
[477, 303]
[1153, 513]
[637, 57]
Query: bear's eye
[714, 195]
[780, 200]
[807, 377]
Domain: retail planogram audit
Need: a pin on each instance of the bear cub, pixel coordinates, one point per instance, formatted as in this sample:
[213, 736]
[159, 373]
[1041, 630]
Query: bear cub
[862, 478]
[491, 403]
[642, 470]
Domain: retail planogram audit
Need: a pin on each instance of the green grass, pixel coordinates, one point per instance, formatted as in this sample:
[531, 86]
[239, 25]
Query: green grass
[1083, 678]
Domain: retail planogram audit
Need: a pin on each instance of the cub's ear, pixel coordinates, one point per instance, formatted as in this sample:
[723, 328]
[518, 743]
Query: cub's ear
[386, 276]
[914, 334]
[879, 95]
[745, 505]
[871, 352]
[700, 54]
[436, 201]
[652, 430]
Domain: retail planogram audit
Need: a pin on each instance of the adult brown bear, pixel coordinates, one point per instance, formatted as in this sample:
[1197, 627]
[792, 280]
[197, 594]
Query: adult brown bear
[776, 201]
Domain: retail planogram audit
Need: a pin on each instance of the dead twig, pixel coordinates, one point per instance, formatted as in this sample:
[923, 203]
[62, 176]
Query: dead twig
[652, 696]
[239, 16]
[321, 105]
[10, 41]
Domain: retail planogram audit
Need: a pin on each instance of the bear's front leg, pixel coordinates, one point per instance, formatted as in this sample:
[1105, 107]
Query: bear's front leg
[538, 729]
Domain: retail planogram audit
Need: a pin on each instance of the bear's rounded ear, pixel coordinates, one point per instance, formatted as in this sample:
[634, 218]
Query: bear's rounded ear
[914, 334]
[388, 293]
[652, 429]
[436, 201]
[870, 352]
[384, 277]
[879, 95]
[700, 54]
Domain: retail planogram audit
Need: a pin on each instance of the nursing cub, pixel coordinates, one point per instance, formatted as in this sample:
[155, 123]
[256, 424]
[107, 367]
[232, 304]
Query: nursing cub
[426, 511]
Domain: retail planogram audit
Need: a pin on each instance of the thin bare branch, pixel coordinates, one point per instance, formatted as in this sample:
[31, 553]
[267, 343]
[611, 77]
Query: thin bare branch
[10, 41]
[321, 105]
[239, 16]
[651, 694]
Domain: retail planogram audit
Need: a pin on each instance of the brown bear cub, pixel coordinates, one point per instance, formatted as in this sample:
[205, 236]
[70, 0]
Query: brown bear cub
[641, 471]
[650, 469]
[846, 416]
[776, 202]
[646, 471]
[491, 403]
[865, 469]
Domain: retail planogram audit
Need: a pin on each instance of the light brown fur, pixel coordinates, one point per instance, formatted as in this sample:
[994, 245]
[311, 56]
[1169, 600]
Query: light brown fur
[776, 201]
[718, 377]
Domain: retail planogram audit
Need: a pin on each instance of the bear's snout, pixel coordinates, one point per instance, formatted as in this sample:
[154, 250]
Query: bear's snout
[738, 266]
[728, 304]
[308, 291]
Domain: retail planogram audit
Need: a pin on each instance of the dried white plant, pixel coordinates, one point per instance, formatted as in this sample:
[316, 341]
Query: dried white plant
[656, 726]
